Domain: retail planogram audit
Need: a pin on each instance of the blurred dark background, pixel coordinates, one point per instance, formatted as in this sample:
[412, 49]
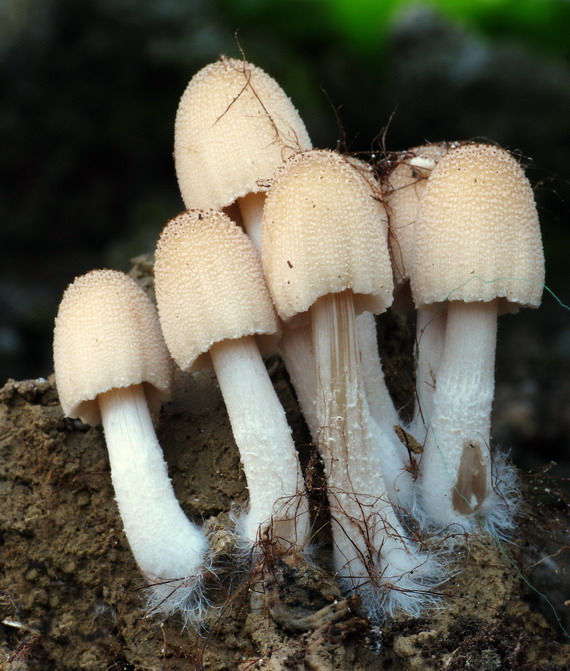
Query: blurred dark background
[86, 125]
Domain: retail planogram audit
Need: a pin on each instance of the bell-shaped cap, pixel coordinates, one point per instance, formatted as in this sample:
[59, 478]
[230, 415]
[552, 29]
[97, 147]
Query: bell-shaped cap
[325, 231]
[234, 126]
[209, 286]
[107, 336]
[478, 236]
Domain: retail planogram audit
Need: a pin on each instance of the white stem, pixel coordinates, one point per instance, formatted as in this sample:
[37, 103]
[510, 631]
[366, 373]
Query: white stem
[295, 343]
[371, 552]
[251, 208]
[278, 508]
[455, 471]
[295, 348]
[377, 394]
[169, 549]
[430, 334]
[297, 353]
[391, 453]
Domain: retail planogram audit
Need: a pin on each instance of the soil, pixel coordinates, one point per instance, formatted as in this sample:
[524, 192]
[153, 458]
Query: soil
[71, 596]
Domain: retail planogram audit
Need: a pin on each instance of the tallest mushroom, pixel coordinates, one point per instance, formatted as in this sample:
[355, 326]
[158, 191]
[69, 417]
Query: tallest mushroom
[234, 126]
[478, 249]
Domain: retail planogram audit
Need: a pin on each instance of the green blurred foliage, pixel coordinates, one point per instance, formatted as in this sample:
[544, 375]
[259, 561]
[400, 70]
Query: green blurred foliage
[363, 25]
[540, 24]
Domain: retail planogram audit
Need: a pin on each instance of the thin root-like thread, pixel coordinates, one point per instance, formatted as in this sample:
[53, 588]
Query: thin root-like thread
[383, 590]
[279, 136]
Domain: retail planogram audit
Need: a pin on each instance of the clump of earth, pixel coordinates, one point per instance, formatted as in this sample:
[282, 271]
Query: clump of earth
[71, 596]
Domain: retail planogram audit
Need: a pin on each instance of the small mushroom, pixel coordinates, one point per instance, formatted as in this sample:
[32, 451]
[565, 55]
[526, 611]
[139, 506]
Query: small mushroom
[111, 364]
[478, 250]
[213, 301]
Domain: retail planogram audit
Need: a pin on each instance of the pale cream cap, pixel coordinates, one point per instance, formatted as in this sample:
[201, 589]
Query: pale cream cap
[209, 286]
[234, 126]
[478, 236]
[107, 336]
[325, 231]
[403, 188]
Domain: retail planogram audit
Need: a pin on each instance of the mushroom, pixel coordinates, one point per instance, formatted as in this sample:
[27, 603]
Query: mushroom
[213, 301]
[478, 250]
[325, 257]
[111, 365]
[404, 186]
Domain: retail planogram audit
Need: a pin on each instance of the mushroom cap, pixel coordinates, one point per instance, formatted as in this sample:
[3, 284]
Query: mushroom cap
[234, 126]
[403, 189]
[107, 336]
[325, 231]
[477, 235]
[209, 286]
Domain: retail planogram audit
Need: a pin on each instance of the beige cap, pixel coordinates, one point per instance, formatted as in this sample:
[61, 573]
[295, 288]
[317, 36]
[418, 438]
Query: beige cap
[478, 236]
[107, 336]
[325, 231]
[403, 187]
[234, 126]
[209, 286]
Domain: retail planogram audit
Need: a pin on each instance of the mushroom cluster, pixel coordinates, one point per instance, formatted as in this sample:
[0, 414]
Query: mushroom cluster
[285, 246]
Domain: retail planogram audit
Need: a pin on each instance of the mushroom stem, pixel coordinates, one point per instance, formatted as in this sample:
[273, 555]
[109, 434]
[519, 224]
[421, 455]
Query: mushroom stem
[251, 210]
[274, 479]
[391, 452]
[297, 353]
[430, 334]
[169, 549]
[455, 467]
[296, 346]
[371, 552]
